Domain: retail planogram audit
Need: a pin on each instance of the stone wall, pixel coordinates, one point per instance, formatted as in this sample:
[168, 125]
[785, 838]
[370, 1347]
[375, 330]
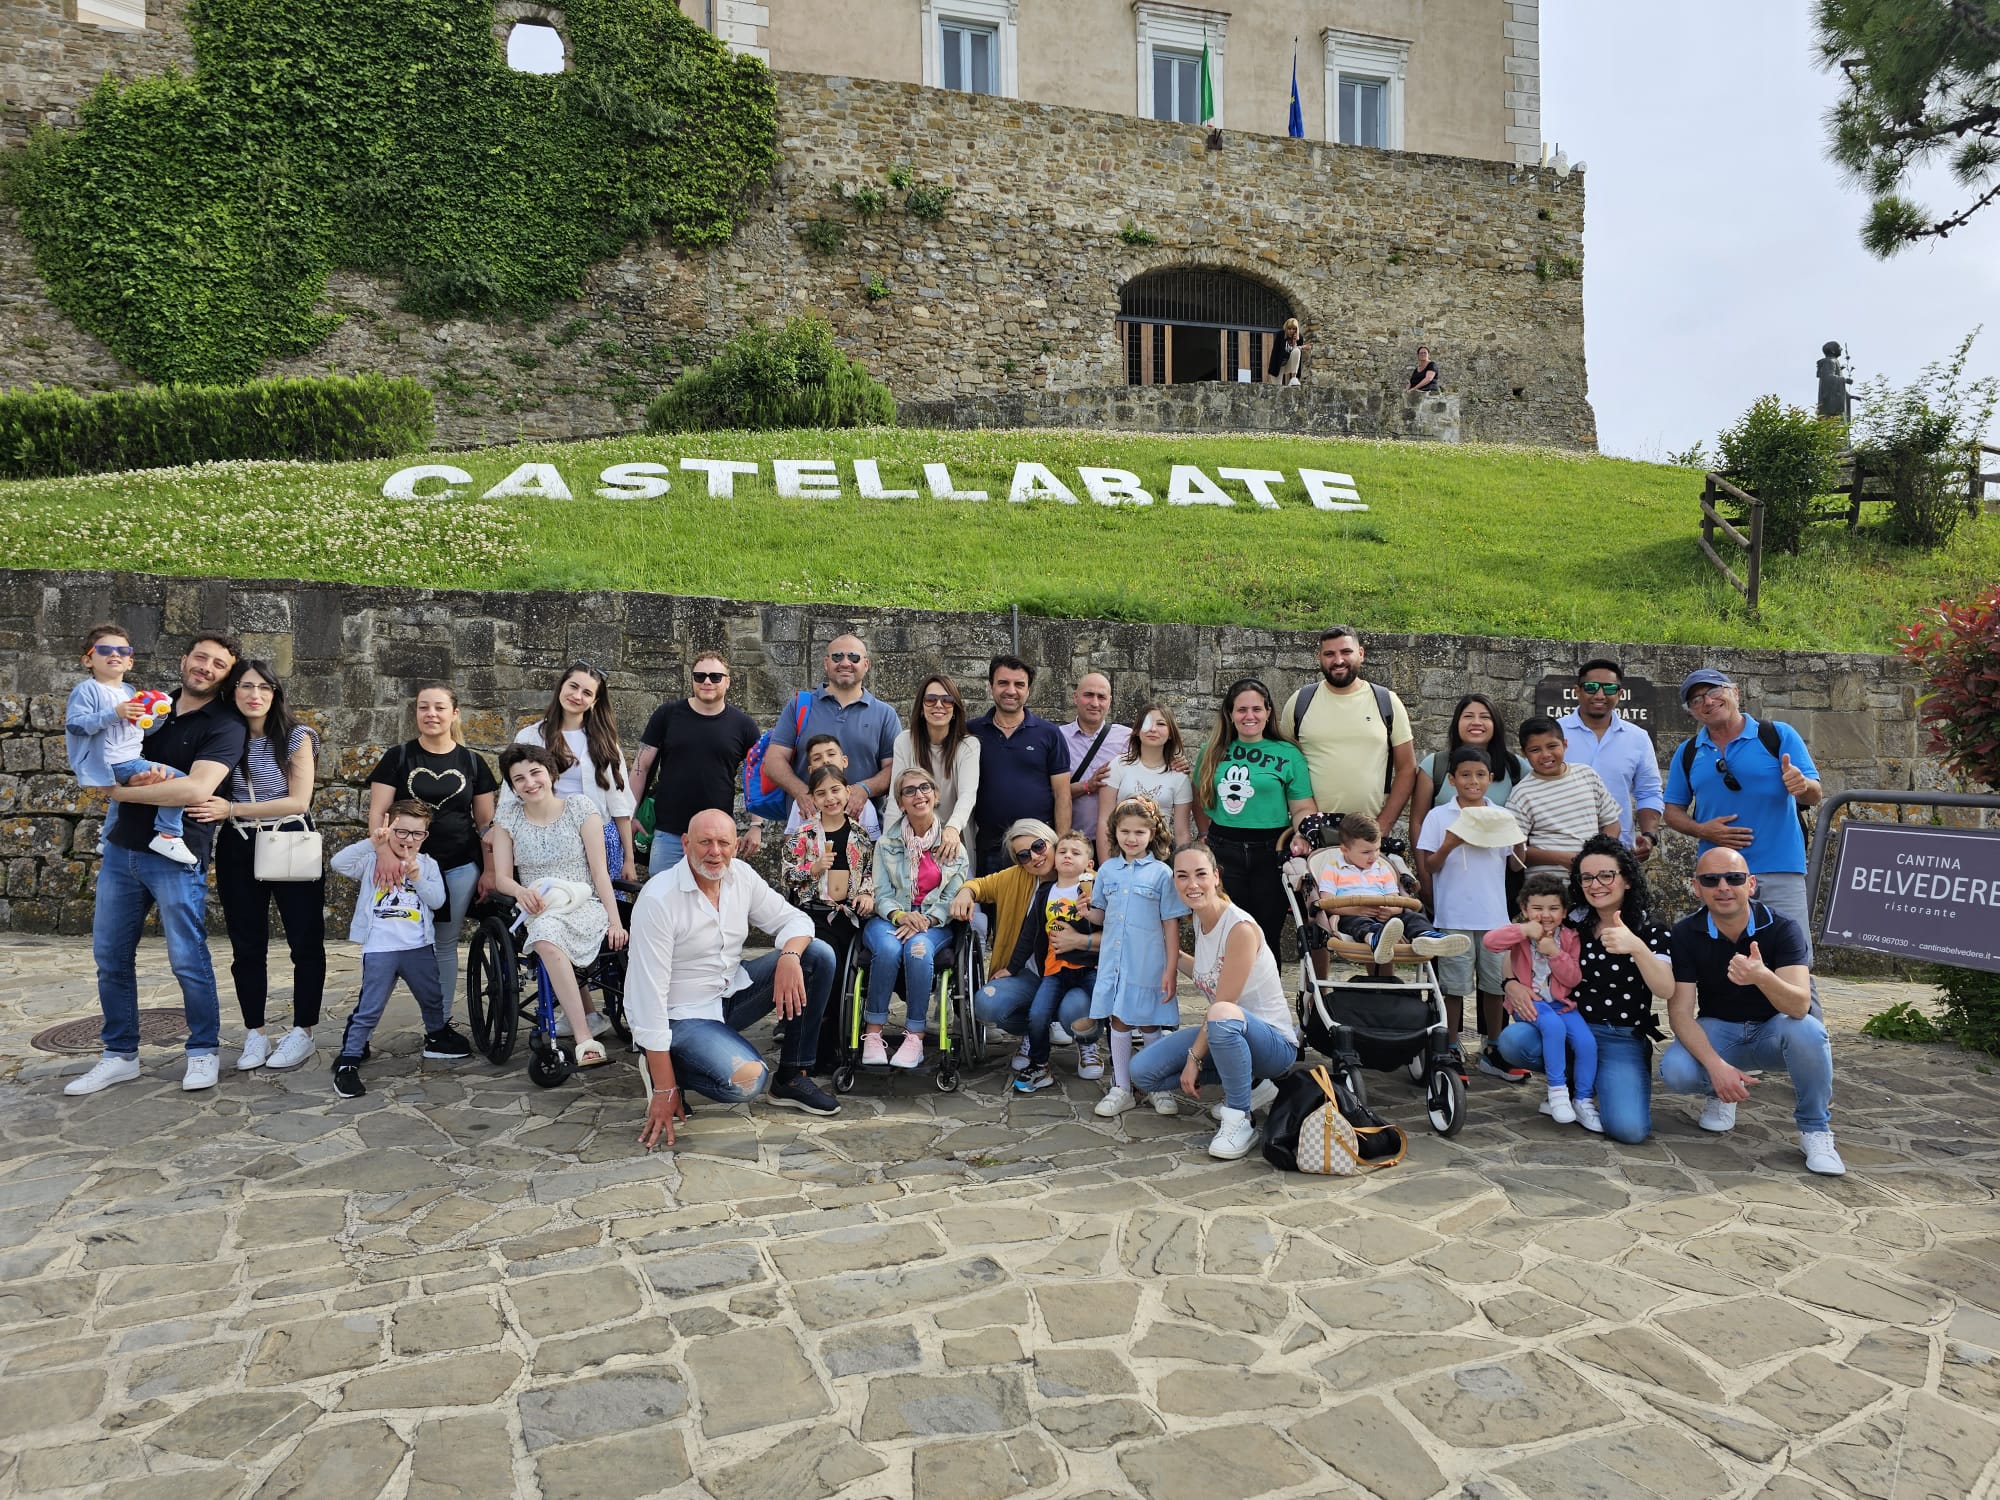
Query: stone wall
[1014, 291]
[353, 657]
[1311, 411]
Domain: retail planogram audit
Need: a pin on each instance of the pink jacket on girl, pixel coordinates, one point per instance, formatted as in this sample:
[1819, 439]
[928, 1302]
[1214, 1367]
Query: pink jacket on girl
[1565, 968]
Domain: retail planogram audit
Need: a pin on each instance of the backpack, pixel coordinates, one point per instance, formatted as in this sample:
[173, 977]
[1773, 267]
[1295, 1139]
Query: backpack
[1315, 1125]
[1767, 736]
[1385, 705]
[763, 797]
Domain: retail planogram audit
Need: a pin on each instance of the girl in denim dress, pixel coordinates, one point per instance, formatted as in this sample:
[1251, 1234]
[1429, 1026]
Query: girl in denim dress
[1135, 901]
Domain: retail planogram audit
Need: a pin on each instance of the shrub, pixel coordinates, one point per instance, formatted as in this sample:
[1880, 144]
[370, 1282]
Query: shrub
[1785, 456]
[1132, 234]
[824, 235]
[1902, 1022]
[1917, 439]
[1956, 649]
[1971, 1007]
[763, 378]
[928, 201]
[877, 289]
[52, 432]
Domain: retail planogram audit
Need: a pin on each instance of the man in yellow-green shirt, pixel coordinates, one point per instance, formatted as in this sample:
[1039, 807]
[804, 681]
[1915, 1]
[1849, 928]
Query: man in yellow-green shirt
[1355, 735]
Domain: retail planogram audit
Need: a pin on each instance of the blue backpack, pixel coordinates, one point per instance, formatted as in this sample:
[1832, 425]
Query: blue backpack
[763, 797]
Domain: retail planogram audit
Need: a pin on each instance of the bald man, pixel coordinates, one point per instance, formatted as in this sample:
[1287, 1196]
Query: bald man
[844, 708]
[1742, 1006]
[689, 996]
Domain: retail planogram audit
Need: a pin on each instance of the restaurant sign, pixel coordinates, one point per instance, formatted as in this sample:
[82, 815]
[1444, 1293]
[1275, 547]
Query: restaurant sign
[1918, 892]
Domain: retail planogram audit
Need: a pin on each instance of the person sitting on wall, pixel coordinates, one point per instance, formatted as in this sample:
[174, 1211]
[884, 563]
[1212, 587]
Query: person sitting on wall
[1425, 376]
[1288, 354]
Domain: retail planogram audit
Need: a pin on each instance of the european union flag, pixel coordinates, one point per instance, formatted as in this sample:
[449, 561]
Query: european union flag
[1297, 129]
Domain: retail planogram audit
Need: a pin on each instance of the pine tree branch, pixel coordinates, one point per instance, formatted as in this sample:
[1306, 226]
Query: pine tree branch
[1944, 227]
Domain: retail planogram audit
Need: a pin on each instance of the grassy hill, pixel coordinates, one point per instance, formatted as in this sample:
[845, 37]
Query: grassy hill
[1483, 540]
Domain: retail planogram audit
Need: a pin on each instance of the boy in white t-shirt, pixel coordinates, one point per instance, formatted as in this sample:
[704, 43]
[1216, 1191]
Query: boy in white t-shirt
[825, 750]
[1469, 892]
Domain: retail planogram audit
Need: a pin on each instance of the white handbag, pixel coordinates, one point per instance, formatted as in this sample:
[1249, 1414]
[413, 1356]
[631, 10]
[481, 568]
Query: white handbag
[283, 854]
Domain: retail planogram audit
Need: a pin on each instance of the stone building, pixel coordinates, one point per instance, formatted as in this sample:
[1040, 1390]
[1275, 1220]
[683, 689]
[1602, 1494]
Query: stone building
[1085, 251]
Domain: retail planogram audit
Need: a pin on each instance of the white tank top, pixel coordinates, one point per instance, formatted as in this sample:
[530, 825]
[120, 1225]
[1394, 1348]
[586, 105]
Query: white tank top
[1263, 992]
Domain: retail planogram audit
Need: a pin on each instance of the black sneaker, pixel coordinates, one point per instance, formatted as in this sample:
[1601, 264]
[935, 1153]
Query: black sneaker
[798, 1091]
[1496, 1066]
[446, 1045]
[347, 1078]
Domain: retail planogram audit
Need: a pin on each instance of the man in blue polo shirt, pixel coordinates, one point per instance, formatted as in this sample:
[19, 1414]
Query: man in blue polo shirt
[1619, 751]
[865, 726]
[1741, 788]
[1023, 764]
[1743, 1000]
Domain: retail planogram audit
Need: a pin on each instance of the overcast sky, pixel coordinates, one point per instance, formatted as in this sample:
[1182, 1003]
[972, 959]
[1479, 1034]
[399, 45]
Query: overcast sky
[1722, 248]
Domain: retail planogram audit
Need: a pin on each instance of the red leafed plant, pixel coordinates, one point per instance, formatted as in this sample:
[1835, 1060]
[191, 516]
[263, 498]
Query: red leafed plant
[1957, 649]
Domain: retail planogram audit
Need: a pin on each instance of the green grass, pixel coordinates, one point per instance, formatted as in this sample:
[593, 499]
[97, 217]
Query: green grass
[1473, 539]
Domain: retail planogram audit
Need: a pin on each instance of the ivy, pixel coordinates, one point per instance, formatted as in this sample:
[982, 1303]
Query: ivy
[191, 221]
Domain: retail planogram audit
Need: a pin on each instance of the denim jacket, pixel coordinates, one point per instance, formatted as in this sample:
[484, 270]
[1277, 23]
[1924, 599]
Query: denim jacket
[895, 878]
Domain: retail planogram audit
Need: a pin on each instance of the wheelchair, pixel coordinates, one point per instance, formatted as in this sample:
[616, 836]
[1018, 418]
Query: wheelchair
[961, 1039]
[506, 984]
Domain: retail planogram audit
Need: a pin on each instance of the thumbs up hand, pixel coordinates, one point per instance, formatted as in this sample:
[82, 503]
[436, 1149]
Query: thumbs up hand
[1748, 969]
[1794, 779]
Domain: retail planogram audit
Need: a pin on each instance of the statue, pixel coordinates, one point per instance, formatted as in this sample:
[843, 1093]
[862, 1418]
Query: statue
[1834, 400]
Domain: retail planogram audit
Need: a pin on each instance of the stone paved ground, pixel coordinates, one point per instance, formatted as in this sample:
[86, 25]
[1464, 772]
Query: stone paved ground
[465, 1286]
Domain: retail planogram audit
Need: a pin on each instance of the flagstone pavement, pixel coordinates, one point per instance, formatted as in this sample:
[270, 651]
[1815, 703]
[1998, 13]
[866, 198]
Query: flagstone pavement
[466, 1286]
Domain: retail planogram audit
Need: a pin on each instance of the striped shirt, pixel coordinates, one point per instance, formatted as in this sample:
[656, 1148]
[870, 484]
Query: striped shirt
[1343, 879]
[266, 776]
[1560, 812]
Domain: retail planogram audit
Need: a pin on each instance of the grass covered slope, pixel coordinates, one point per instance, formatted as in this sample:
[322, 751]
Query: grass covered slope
[1478, 540]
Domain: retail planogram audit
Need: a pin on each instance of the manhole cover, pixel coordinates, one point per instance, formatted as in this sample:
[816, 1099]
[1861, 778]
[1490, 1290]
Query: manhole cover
[158, 1027]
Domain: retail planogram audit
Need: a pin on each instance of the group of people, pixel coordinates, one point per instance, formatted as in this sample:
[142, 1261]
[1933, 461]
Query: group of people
[1079, 847]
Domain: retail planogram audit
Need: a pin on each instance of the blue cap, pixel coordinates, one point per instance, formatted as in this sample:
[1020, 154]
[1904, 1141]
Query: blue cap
[1706, 677]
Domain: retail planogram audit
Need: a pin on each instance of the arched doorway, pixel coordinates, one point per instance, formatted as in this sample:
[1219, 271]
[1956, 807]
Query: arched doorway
[1190, 323]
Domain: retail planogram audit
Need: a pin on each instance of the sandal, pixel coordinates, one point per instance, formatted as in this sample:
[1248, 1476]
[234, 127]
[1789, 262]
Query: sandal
[591, 1054]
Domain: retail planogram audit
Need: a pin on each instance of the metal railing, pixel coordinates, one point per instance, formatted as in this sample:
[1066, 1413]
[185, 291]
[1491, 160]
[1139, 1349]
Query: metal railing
[1712, 521]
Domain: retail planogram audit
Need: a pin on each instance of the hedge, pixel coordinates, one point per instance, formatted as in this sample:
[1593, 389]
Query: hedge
[790, 377]
[52, 432]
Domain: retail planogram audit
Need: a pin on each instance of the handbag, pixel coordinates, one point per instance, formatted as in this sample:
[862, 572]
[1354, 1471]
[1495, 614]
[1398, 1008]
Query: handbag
[1316, 1126]
[283, 855]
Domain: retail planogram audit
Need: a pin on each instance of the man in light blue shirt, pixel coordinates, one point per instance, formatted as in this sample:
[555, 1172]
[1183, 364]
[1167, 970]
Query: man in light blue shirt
[1618, 750]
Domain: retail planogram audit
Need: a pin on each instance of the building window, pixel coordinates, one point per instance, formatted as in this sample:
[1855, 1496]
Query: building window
[970, 46]
[1171, 41]
[1364, 89]
[1192, 323]
[534, 48]
[120, 15]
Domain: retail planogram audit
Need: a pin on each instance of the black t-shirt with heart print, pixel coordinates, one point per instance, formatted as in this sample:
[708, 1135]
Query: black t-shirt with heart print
[446, 784]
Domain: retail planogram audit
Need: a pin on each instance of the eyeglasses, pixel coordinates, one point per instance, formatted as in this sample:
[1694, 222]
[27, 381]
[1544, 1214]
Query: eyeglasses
[1702, 695]
[920, 789]
[709, 676]
[938, 700]
[1728, 778]
[1722, 877]
[103, 650]
[1608, 689]
[580, 665]
[410, 835]
[1034, 851]
[1597, 877]
[854, 656]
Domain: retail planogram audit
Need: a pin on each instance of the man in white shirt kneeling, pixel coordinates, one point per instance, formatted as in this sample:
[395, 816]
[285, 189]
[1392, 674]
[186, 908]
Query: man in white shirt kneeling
[689, 995]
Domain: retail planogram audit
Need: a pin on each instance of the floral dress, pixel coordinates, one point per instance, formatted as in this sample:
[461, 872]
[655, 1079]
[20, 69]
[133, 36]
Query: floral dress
[556, 851]
[802, 851]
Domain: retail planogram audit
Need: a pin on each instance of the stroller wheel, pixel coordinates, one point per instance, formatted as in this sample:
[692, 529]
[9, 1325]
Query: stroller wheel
[1351, 1078]
[548, 1069]
[843, 1079]
[1447, 1102]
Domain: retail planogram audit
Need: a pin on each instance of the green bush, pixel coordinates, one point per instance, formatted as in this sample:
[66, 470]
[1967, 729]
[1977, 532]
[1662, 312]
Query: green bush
[1785, 456]
[1902, 1022]
[1917, 438]
[1971, 1007]
[763, 378]
[46, 433]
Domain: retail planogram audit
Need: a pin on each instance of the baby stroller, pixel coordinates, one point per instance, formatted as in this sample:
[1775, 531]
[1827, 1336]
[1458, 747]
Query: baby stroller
[1383, 1023]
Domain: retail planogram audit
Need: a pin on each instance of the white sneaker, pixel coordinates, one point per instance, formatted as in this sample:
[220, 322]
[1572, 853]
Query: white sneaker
[1560, 1109]
[1089, 1062]
[1587, 1116]
[911, 1053]
[874, 1051]
[1441, 945]
[1059, 1035]
[1820, 1155]
[105, 1072]
[1717, 1116]
[1115, 1102]
[293, 1048]
[1386, 940]
[174, 847]
[1260, 1098]
[1020, 1062]
[1165, 1103]
[256, 1052]
[1236, 1136]
[202, 1071]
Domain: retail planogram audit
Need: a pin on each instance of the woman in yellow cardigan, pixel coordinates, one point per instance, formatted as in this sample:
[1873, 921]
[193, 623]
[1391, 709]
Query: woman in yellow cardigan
[1018, 896]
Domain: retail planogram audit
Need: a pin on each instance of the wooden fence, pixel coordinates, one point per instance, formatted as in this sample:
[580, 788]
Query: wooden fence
[1717, 488]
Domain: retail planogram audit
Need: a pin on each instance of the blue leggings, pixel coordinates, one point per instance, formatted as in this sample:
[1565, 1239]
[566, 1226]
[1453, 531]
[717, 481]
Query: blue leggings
[1565, 1031]
[1624, 1074]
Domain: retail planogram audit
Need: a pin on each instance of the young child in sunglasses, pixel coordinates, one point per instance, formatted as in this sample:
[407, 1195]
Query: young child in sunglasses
[102, 733]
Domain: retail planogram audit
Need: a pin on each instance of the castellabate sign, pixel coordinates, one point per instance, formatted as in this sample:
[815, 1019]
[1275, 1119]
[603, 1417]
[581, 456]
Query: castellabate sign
[1918, 892]
[823, 479]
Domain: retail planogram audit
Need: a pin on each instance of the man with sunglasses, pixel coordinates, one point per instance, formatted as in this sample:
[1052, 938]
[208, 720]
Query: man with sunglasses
[1619, 751]
[1743, 1000]
[692, 759]
[1741, 785]
[865, 726]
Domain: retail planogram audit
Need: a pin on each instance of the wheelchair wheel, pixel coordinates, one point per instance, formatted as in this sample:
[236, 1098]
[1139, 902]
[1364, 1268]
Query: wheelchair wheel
[548, 1069]
[493, 989]
[843, 1079]
[968, 1033]
[947, 1077]
[1447, 1102]
[610, 985]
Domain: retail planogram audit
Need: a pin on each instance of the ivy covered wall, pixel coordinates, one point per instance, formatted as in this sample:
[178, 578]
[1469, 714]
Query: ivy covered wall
[191, 221]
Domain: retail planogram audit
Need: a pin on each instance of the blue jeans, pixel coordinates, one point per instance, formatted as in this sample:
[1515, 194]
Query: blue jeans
[416, 967]
[1796, 1044]
[1005, 1003]
[708, 1054]
[166, 820]
[1624, 1074]
[1565, 1031]
[1047, 1005]
[1368, 929]
[459, 883]
[916, 960]
[665, 853]
[130, 882]
[1241, 1050]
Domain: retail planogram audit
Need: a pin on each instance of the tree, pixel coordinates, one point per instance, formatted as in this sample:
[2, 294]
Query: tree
[1923, 85]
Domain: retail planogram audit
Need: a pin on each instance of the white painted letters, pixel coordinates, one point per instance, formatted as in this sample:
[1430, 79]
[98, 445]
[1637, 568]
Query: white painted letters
[1034, 482]
[1259, 482]
[1189, 486]
[938, 477]
[721, 474]
[531, 482]
[1330, 491]
[402, 485]
[805, 478]
[1114, 487]
[633, 482]
[868, 481]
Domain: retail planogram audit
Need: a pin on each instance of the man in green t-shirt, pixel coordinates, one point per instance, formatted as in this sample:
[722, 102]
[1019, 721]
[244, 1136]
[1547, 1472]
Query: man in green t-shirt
[1352, 733]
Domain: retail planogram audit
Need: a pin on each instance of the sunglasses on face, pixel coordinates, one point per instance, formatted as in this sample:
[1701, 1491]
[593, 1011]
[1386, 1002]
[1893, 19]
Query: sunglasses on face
[1609, 689]
[937, 700]
[1728, 778]
[1723, 877]
[1034, 851]
[709, 676]
[850, 656]
[1597, 877]
[103, 650]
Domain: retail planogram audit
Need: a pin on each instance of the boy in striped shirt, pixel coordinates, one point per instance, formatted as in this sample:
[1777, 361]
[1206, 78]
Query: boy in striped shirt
[1560, 805]
[1361, 871]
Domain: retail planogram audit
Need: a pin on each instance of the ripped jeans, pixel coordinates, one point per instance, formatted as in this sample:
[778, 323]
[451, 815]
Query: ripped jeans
[915, 959]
